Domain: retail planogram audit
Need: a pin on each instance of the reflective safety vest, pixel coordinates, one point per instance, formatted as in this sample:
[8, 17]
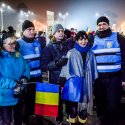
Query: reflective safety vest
[32, 54]
[107, 52]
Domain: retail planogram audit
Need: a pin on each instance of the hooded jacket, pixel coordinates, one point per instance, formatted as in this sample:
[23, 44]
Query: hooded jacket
[12, 68]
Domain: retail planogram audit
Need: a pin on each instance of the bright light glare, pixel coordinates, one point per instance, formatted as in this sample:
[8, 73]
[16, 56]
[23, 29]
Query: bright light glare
[8, 7]
[18, 34]
[3, 4]
[21, 12]
[60, 14]
[67, 14]
[97, 14]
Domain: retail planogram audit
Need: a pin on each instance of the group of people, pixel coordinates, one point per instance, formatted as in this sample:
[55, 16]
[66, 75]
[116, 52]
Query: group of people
[97, 63]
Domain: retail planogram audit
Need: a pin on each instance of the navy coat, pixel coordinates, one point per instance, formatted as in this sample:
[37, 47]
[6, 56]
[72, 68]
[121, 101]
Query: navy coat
[51, 53]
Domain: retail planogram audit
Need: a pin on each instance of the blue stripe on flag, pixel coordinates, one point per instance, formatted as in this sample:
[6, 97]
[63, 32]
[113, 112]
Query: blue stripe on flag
[47, 87]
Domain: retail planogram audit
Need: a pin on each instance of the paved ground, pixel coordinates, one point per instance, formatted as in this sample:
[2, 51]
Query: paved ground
[93, 120]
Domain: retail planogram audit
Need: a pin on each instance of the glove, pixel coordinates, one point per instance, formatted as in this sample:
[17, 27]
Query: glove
[61, 62]
[23, 80]
[18, 90]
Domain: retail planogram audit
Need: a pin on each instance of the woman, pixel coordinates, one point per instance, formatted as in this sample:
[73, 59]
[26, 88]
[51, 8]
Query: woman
[81, 65]
[13, 70]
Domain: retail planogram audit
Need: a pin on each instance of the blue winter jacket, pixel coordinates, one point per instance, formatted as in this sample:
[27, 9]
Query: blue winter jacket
[12, 68]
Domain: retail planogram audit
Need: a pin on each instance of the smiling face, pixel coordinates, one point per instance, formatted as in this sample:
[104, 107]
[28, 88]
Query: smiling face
[83, 41]
[82, 38]
[9, 44]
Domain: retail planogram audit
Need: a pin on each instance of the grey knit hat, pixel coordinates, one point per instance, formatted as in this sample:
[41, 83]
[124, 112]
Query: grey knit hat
[56, 27]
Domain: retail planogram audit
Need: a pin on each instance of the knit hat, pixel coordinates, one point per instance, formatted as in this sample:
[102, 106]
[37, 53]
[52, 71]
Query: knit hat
[56, 27]
[102, 19]
[6, 33]
[26, 24]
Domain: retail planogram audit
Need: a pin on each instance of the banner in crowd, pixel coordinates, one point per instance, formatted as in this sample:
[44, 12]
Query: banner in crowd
[50, 20]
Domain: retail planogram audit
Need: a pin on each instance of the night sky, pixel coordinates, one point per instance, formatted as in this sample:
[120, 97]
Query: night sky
[81, 12]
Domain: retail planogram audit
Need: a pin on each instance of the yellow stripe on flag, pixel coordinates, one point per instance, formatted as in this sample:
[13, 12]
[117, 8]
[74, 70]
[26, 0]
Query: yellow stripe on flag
[47, 98]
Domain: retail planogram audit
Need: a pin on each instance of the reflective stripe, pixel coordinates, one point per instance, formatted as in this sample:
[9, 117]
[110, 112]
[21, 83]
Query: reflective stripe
[31, 56]
[109, 67]
[35, 72]
[106, 50]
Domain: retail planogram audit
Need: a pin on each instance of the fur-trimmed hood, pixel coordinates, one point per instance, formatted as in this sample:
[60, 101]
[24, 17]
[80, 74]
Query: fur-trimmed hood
[53, 39]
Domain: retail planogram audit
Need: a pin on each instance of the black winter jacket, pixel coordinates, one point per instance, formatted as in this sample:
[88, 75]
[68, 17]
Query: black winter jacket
[51, 53]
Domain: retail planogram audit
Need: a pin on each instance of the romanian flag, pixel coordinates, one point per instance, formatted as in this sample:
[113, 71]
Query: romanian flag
[47, 99]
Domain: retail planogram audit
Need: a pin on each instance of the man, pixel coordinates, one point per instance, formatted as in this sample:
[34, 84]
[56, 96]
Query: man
[31, 51]
[109, 49]
[53, 58]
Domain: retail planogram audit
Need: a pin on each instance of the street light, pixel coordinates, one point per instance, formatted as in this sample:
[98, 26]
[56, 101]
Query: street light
[26, 14]
[97, 14]
[3, 6]
[1, 13]
[62, 18]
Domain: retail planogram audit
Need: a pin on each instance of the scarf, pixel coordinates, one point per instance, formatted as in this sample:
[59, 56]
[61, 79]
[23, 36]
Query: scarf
[81, 49]
[28, 40]
[103, 34]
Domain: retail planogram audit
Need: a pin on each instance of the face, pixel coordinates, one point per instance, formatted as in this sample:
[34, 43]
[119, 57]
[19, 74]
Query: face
[102, 26]
[83, 42]
[9, 44]
[29, 32]
[59, 35]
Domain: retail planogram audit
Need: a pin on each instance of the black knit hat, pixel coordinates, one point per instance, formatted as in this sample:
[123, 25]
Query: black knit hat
[9, 32]
[102, 19]
[26, 24]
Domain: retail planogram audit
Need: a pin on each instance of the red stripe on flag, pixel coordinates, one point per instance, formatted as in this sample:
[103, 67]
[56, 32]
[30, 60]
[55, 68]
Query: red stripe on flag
[46, 110]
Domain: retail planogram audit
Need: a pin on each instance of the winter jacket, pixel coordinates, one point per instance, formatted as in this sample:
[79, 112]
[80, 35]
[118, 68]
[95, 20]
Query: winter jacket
[50, 54]
[41, 40]
[12, 68]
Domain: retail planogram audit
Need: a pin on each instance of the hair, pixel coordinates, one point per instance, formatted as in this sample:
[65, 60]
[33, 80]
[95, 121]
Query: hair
[67, 33]
[80, 35]
[17, 54]
[40, 32]
[53, 39]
